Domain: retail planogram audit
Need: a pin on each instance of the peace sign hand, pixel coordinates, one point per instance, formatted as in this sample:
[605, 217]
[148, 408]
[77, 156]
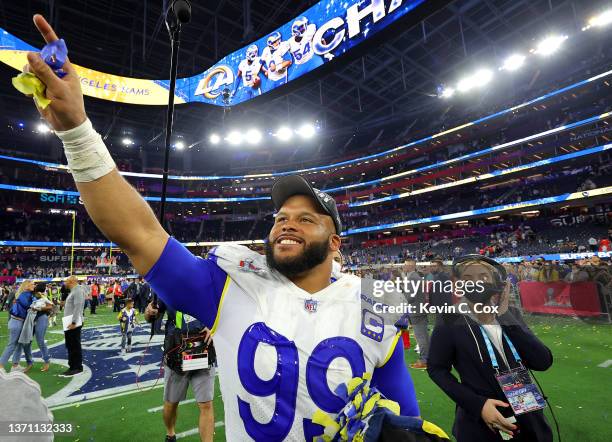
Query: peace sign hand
[67, 109]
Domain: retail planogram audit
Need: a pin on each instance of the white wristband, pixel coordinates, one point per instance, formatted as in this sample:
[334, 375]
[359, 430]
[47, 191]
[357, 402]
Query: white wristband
[87, 155]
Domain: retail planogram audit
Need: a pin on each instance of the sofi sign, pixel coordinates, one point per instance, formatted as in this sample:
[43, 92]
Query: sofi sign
[323, 32]
[60, 199]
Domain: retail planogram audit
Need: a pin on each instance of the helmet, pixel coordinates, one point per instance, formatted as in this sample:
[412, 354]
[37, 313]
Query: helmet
[274, 40]
[299, 26]
[252, 52]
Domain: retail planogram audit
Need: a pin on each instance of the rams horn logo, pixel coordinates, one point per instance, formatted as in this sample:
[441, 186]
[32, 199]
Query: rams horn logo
[212, 84]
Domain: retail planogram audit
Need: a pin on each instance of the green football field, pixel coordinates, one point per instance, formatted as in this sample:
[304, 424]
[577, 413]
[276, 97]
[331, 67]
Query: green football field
[577, 387]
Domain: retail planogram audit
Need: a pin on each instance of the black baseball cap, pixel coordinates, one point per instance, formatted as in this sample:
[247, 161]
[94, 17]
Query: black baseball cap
[290, 185]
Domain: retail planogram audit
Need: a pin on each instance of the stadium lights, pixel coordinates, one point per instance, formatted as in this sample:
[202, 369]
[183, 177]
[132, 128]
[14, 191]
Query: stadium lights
[601, 20]
[127, 142]
[179, 145]
[284, 133]
[483, 76]
[466, 84]
[42, 128]
[478, 79]
[215, 139]
[513, 62]
[550, 45]
[253, 136]
[447, 92]
[234, 137]
[306, 131]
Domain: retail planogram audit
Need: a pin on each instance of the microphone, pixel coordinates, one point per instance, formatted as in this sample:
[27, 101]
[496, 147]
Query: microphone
[182, 10]
[178, 13]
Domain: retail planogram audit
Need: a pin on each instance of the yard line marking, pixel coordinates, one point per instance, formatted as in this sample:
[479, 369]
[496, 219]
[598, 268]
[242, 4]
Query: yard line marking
[605, 364]
[196, 430]
[76, 402]
[155, 409]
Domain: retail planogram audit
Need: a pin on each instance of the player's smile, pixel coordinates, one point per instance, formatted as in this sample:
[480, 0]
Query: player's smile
[288, 242]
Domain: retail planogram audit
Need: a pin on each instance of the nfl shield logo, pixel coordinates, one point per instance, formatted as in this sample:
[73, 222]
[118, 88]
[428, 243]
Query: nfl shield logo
[310, 305]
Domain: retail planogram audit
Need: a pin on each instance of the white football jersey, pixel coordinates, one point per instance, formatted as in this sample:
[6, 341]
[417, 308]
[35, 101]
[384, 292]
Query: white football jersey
[303, 51]
[276, 57]
[249, 71]
[283, 351]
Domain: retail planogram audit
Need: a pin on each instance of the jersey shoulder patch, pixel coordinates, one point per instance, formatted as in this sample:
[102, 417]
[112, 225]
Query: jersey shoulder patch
[237, 259]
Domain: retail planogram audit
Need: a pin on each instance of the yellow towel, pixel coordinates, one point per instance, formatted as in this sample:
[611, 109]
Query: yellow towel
[29, 84]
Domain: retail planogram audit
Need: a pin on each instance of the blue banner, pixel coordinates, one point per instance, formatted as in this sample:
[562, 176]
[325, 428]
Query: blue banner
[323, 32]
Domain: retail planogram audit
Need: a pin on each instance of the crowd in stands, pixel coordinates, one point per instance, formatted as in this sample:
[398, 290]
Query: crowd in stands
[587, 233]
[466, 198]
[505, 241]
[55, 263]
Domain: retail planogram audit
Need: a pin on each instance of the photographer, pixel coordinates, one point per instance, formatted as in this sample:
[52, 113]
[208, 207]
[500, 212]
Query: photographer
[176, 381]
[492, 351]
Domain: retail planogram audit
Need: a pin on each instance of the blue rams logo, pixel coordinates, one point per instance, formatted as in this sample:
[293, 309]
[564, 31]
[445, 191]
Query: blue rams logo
[211, 85]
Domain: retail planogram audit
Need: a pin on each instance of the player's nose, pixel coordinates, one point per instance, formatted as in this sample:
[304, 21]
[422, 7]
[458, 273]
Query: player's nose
[290, 225]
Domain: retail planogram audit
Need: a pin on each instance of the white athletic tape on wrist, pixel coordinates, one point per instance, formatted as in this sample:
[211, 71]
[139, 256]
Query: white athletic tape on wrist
[88, 156]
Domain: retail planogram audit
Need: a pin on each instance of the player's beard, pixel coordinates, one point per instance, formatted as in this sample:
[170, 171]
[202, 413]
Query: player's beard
[314, 254]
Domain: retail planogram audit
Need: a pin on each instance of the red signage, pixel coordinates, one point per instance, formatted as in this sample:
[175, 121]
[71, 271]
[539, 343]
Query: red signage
[560, 298]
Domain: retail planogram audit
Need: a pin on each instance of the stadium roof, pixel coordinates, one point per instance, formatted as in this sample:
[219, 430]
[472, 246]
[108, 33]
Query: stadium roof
[397, 81]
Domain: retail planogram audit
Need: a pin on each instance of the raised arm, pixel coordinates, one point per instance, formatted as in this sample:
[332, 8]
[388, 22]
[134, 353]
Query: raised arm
[111, 202]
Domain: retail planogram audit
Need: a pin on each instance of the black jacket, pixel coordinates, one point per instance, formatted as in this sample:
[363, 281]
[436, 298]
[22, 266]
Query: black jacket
[438, 295]
[454, 345]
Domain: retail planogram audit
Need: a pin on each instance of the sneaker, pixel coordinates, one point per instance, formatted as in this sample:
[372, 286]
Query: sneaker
[419, 365]
[123, 351]
[129, 348]
[28, 368]
[170, 438]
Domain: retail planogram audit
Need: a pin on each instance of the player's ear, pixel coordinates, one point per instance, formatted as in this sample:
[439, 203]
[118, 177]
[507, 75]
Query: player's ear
[334, 242]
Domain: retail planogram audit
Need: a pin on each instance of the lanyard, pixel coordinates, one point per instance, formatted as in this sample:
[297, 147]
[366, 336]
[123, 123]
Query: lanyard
[485, 336]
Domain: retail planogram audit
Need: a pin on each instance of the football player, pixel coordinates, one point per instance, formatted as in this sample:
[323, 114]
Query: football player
[248, 73]
[287, 331]
[276, 59]
[301, 48]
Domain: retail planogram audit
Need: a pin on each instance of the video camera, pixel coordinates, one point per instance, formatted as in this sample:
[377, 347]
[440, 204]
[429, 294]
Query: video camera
[188, 352]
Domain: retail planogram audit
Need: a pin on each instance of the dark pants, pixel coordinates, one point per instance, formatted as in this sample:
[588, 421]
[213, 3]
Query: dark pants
[73, 345]
[94, 304]
[142, 304]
